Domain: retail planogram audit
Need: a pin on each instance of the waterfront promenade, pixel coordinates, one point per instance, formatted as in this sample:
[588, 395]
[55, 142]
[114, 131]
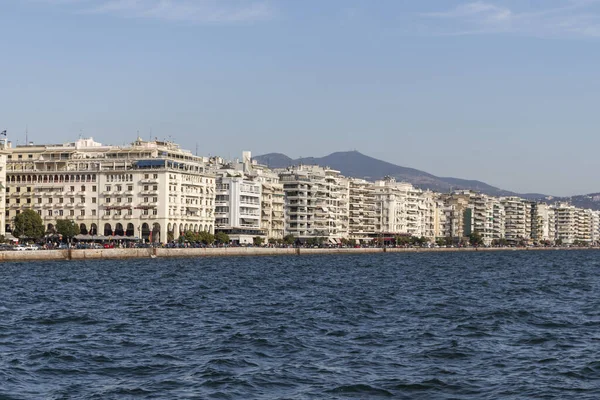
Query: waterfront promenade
[98, 254]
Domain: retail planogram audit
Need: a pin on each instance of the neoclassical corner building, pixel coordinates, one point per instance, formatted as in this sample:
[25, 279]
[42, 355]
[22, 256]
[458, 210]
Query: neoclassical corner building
[150, 189]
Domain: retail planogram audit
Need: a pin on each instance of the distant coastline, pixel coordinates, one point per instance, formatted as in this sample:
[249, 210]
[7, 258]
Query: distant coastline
[157, 253]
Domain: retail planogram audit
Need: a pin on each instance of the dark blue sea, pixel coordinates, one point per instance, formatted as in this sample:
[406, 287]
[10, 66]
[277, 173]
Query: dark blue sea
[498, 325]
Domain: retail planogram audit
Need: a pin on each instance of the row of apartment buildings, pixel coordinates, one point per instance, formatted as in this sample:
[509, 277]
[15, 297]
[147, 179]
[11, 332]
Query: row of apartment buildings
[156, 191]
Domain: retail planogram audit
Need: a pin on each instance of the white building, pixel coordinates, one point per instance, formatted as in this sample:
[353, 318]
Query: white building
[517, 219]
[566, 223]
[238, 206]
[362, 210]
[316, 202]
[151, 190]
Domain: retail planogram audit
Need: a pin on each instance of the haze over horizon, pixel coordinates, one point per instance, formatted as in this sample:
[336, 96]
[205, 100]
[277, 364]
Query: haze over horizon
[493, 90]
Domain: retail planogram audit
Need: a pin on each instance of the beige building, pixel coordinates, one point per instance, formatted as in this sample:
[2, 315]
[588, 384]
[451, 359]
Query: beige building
[152, 190]
[316, 202]
[362, 209]
[517, 219]
[403, 209]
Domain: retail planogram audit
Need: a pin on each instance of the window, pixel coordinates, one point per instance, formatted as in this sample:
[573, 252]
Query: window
[60, 200]
[155, 199]
[40, 200]
[129, 211]
[108, 188]
[146, 176]
[107, 212]
[118, 199]
[7, 213]
[155, 176]
[8, 200]
[130, 199]
[119, 188]
[60, 212]
[82, 213]
[108, 199]
[28, 201]
[49, 213]
[28, 189]
[145, 199]
[83, 188]
[93, 188]
[18, 189]
[7, 190]
[83, 199]
[145, 212]
[49, 200]
[155, 187]
[39, 213]
[94, 200]
[154, 211]
[72, 188]
[145, 187]
[129, 187]
[72, 200]
[72, 213]
[94, 212]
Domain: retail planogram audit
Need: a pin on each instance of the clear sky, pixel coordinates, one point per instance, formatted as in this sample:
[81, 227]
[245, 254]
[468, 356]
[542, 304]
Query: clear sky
[504, 91]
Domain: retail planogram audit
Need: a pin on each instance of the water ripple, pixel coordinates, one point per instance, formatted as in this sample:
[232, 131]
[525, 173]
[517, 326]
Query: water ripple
[481, 325]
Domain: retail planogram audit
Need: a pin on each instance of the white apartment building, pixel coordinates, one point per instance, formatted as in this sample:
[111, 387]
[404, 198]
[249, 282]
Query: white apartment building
[3, 186]
[272, 219]
[362, 209]
[403, 209]
[584, 225]
[566, 223]
[517, 219]
[316, 202]
[151, 190]
[238, 206]
[482, 208]
[543, 225]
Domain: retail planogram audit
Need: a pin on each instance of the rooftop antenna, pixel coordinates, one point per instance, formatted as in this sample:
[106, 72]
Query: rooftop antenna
[196, 149]
[26, 135]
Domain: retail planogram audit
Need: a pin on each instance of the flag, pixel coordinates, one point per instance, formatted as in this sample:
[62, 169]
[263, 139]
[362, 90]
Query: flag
[3, 133]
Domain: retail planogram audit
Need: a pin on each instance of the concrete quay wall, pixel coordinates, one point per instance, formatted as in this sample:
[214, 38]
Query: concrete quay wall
[97, 254]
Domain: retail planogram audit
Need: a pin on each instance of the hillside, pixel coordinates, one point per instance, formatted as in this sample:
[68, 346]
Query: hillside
[358, 165]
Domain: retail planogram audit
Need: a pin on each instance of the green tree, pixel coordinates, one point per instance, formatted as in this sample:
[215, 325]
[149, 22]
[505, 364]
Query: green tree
[258, 240]
[28, 224]
[222, 237]
[206, 237]
[289, 239]
[192, 237]
[475, 239]
[67, 228]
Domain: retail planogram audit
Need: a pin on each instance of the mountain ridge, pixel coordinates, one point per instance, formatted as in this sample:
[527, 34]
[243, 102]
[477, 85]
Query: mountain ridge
[358, 165]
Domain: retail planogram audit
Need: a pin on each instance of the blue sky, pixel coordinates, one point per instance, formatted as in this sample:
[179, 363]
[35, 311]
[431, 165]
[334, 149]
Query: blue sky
[498, 90]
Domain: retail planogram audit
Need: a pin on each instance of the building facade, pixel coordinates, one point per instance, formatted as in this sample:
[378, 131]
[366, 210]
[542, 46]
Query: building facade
[150, 190]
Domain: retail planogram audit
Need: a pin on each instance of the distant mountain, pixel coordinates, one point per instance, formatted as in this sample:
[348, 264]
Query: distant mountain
[358, 165]
[591, 200]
